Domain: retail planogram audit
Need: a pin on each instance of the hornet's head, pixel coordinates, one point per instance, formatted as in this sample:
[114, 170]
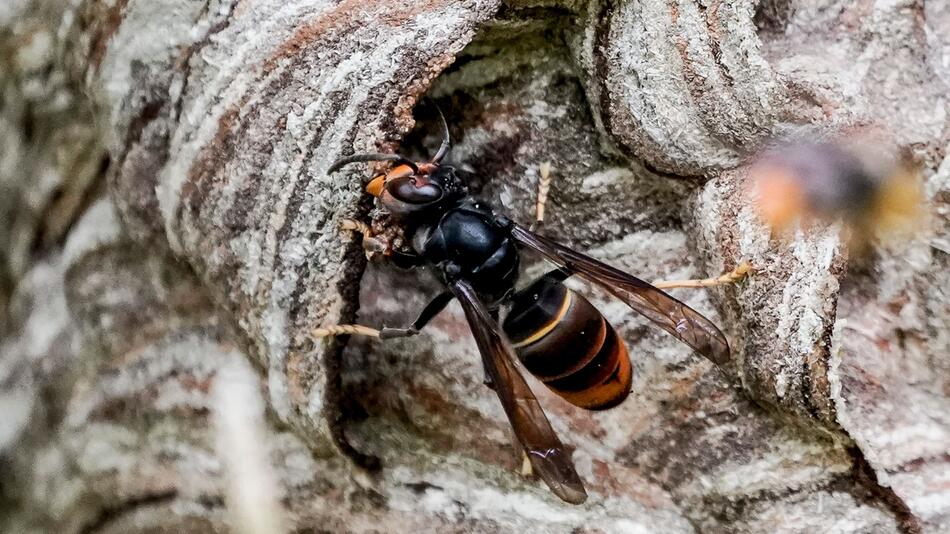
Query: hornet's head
[407, 193]
[413, 189]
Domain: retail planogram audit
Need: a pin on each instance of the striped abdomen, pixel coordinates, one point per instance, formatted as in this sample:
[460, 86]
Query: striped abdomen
[566, 343]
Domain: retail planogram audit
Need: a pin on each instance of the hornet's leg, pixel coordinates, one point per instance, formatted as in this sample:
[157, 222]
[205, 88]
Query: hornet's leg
[431, 310]
[526, 470]
[730, 277]
[357, 226]
[371, 245]
[544, 185]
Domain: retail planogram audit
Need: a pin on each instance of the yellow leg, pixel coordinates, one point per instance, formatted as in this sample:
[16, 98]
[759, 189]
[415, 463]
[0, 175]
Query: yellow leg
[526, 469]
[371, 245]
[357, 226]
[348, 329]
[544, 185]
[731, 277]
[360, 330]
[345, 330]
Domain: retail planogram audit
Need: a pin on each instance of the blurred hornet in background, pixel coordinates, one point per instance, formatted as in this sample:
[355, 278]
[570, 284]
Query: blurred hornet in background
[556, 333]
[876, 196]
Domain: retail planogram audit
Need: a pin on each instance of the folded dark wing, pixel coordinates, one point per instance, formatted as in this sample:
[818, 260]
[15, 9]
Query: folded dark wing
[671, 315]
[547, 454]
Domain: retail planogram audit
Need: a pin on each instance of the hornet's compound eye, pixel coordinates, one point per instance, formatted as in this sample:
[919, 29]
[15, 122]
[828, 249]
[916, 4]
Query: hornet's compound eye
[414, 190]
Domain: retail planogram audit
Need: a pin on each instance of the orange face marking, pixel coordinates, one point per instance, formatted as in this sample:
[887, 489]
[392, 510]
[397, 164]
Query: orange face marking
[375, 186]
[399, 171]
[378, 183]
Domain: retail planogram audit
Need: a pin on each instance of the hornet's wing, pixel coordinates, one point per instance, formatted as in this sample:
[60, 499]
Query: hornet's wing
[546, 452]
[683, 322]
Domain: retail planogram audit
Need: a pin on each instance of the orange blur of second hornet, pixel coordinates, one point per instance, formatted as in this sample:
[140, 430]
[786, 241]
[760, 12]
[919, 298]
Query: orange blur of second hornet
[876, 198]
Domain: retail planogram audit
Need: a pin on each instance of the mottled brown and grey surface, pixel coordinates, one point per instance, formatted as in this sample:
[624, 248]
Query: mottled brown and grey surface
[168, 228]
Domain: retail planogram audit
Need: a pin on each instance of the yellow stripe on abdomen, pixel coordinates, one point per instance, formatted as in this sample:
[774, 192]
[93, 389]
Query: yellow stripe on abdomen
[546, 329]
